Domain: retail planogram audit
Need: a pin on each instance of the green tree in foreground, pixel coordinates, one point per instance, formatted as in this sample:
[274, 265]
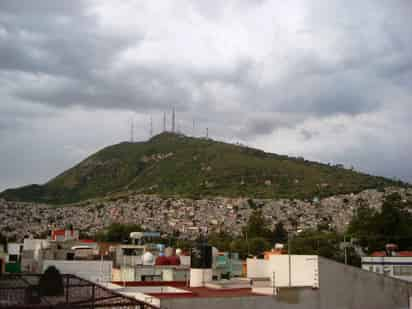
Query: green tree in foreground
[393, 224]
[279, 234]
[51, 283]
[221, 240]
[257, 226]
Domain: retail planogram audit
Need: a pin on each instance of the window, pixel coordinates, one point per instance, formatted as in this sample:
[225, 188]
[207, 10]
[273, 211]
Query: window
[132, 251]
[13, 258]
[402, 270]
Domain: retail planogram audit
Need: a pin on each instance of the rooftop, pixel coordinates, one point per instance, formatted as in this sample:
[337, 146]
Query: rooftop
[184, 291]
[21, 291]
[396, 254]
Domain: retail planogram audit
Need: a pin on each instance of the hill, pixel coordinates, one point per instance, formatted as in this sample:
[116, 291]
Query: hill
[172, 164]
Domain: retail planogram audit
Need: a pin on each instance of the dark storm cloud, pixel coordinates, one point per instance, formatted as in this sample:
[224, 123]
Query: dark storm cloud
[65, 42]
[307, 135]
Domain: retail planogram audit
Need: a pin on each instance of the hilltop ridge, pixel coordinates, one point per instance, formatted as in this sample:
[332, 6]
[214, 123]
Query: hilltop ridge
[172, 164]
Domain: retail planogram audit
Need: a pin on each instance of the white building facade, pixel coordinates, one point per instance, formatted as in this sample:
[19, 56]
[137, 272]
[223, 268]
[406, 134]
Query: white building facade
[394, 266]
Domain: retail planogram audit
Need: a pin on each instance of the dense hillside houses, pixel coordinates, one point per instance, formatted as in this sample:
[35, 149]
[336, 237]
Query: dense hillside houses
[187, 217]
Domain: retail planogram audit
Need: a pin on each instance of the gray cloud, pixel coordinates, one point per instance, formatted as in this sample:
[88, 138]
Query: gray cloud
[251, 71]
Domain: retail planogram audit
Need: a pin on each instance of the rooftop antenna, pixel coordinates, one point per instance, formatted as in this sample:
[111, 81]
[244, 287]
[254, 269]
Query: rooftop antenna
[131, 130]
[173, 120]
[164, 122]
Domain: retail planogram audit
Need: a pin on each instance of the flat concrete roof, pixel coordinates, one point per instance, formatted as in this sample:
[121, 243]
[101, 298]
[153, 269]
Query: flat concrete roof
[192, 292]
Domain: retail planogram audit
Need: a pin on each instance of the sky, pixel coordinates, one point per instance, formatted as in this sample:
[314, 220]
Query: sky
[328, 80]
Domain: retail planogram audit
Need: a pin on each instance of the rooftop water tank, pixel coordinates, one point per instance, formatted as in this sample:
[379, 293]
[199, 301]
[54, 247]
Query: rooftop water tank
[147, 258]
[136, 235]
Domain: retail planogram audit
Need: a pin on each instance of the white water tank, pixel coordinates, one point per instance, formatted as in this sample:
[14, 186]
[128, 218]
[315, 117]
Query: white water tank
[200, 276]
[148, 258]
[136, 235]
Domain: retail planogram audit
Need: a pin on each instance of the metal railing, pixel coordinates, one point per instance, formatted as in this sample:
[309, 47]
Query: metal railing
[22, 291]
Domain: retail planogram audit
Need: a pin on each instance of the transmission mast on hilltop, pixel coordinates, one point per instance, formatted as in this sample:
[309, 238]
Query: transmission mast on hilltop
[151, 126]
[173, 120]
[132, 130]
[193, 133]
[164, 122]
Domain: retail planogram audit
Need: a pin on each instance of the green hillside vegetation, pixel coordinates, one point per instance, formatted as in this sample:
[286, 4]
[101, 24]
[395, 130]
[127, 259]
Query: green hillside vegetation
[176, 165]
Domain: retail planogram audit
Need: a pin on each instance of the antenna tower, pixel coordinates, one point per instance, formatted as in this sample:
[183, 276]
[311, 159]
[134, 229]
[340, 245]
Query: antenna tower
[151, 126]
[131, 130]
[173, 120]
[164, 122]
[193, 133]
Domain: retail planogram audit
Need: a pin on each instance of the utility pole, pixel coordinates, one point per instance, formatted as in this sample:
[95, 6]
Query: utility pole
[345, 249]
[289, 258]
[247, 242]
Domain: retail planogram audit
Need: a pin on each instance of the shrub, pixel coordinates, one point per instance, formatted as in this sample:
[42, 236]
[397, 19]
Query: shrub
[51, 283]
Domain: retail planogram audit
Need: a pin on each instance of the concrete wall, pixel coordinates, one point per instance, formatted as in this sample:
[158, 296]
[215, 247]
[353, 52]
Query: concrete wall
[98, 271]
[341, 287]
[388, 264]
[258, 268]
[246, 302]
[303, 270]
[346, 287]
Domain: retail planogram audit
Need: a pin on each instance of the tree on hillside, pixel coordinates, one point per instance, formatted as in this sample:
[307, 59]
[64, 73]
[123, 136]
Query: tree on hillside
[256, 226]
[118, 232]
[279, 234]
[221, 240]
[258, 245]
[241, 246]
[185, 244]
[323, 243]
[393, 224]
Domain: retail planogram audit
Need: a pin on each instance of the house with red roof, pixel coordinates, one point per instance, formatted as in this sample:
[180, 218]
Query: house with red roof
[390, 262]
[64, 235]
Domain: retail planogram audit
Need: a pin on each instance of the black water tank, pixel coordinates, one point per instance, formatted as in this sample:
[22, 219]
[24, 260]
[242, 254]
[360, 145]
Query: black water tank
[201, 257]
